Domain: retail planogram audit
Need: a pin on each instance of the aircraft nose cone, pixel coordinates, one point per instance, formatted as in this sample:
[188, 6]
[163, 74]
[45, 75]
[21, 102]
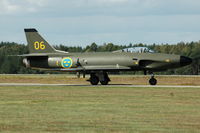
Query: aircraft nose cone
[185, 61]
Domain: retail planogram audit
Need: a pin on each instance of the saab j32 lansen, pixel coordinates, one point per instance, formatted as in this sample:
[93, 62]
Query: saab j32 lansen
[97, 64]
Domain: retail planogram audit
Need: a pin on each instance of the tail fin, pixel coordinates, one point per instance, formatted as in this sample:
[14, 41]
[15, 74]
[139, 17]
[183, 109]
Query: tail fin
[36, 43]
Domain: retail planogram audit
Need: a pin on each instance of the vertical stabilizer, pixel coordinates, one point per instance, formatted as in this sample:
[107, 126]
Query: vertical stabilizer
[36, 43]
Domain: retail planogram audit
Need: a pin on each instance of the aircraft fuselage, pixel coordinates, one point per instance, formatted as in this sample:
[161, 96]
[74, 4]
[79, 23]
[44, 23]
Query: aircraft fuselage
[108, 61]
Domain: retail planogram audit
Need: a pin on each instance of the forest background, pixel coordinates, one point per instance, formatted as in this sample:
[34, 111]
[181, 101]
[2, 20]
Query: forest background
[13, 64]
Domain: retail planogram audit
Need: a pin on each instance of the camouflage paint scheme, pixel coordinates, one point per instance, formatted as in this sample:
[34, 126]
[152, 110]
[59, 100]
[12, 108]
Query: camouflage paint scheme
[97, 64]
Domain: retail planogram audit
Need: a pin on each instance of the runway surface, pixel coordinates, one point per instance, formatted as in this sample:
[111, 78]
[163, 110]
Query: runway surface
[111, 85]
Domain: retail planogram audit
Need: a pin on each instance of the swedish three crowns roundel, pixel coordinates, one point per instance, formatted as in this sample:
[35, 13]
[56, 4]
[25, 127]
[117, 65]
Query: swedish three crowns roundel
[66, 62]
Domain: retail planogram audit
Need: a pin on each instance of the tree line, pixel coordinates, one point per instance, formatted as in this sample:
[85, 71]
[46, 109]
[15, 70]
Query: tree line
[12, 64]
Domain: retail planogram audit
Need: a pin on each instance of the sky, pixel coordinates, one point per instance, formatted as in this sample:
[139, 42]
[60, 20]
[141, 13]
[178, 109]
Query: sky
[82, 22]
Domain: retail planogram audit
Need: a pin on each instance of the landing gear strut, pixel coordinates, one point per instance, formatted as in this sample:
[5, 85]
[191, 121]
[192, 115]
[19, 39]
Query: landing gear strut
[152, 80]
[96, 77]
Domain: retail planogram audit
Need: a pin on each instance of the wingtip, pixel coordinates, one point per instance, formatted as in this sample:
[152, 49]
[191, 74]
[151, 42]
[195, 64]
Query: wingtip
[30, 30]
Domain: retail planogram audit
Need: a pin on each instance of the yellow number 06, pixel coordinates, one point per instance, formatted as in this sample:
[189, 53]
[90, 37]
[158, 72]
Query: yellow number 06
[39, 45]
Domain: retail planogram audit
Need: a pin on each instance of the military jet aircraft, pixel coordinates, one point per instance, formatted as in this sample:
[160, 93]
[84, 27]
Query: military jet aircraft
[97, 64]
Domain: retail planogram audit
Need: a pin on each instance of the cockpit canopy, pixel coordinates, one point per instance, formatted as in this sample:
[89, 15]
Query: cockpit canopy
[137, 50]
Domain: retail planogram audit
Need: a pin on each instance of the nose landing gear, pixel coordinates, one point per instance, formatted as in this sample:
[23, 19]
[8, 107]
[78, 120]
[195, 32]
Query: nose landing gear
[152, 80]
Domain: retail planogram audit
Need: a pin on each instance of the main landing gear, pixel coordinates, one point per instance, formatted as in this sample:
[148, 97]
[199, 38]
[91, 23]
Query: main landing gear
[95, 78]
[103, 78]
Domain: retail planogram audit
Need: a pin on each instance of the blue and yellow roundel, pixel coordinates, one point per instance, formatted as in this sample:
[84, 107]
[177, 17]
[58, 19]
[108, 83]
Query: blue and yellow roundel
[66, 62]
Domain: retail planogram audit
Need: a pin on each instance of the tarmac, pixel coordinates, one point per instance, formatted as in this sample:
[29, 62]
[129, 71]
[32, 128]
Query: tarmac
[111, 85]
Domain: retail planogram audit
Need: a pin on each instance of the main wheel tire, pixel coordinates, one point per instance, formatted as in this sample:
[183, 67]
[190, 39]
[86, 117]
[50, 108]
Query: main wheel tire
[94, 80]
[105, 82]
[152, 81]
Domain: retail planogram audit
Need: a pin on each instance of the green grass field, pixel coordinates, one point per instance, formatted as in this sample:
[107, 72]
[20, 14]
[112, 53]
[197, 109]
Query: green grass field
[83, 109]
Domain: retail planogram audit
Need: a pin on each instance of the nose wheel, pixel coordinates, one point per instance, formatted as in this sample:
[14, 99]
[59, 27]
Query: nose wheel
[152, 80]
